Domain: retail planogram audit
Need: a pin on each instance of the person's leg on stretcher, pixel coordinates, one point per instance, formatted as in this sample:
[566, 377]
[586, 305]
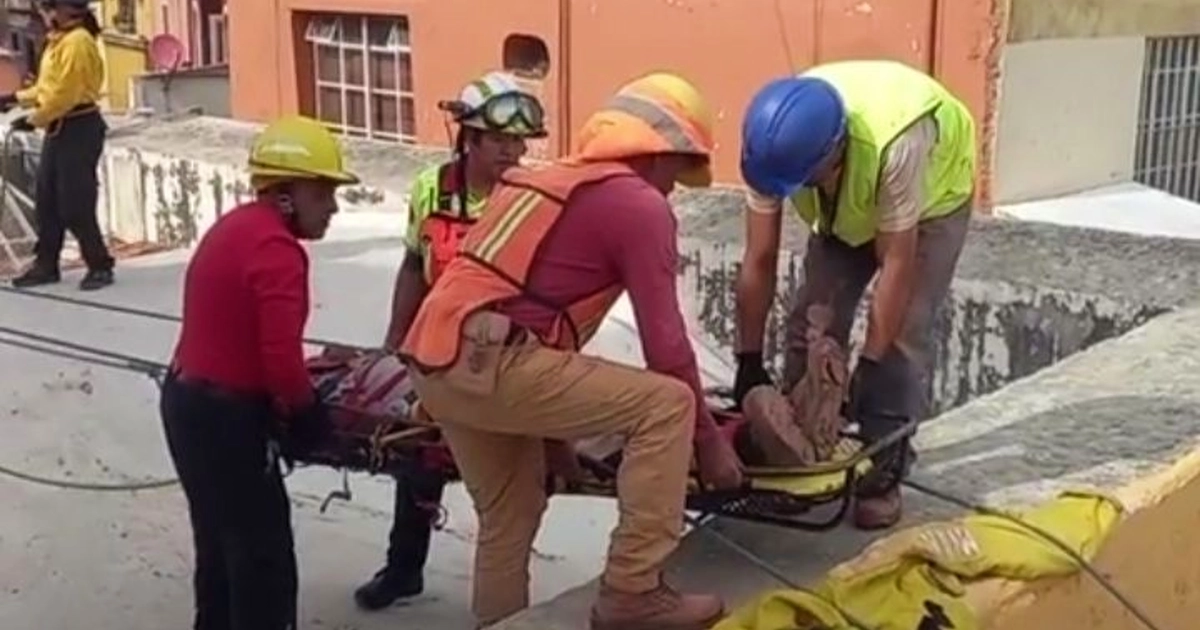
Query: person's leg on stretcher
[499, 370]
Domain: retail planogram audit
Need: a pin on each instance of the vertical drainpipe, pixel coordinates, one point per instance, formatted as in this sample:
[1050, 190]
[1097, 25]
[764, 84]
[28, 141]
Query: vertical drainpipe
[564, 77]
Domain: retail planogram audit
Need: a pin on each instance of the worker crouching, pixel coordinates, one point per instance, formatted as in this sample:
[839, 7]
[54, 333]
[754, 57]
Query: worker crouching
[64, 105]
[496, 343]
[878, 159]
[238, 395]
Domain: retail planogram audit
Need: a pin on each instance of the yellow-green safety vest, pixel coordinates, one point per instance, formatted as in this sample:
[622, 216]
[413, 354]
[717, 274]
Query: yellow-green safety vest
[883, 99]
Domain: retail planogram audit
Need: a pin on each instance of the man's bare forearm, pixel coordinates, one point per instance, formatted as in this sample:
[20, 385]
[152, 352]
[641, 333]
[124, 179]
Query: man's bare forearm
[407, 294]
[755, 292]
[889, 307]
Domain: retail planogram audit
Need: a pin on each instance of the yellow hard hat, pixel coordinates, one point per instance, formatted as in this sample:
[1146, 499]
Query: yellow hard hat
[298, 147]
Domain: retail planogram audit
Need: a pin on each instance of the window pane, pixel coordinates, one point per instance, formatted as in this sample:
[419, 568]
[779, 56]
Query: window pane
[383, 71]
[402, 32]
[385, 113]
[321, 28]
[351, 30]
[328, 68]
[354, 67]
[380, 31]
[408, 117]
[329, 105]
[356, 109]
[406, 82]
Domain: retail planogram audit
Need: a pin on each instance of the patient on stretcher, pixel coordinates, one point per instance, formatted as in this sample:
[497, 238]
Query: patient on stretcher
[371, 397]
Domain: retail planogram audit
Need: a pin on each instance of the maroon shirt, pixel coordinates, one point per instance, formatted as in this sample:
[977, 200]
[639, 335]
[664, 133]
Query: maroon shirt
[619, 231]
[245, 305]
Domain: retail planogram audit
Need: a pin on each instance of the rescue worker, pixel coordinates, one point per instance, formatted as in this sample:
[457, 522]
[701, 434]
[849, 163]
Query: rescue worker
[878, 159]
[495, 349]
[64, 105]
[238, 393]
[495, 117]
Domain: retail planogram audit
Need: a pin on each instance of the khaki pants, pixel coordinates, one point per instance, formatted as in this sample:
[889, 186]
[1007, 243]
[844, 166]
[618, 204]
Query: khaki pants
[498, 443]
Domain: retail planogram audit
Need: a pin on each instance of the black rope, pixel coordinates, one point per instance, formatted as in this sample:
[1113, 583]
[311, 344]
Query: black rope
[129, 310]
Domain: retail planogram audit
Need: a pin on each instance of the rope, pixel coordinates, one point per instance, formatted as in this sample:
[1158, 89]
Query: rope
[128, 310]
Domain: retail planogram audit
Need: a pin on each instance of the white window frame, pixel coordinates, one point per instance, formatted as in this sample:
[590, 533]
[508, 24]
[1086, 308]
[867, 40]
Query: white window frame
[325, 30]
[217, 52]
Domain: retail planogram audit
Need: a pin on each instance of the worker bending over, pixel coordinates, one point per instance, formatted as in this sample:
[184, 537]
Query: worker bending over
[63, 102]
[238, 393]
[495, 118]
[496, 343]
[878, 159]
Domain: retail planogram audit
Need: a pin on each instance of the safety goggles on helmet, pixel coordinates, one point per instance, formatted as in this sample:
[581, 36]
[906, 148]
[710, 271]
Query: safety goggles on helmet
[512, 113]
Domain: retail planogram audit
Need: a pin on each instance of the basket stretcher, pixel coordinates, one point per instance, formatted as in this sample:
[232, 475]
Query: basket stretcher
[378, 430]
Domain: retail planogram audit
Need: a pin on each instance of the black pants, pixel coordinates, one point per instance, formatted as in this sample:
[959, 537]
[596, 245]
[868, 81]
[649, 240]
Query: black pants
[67, 192]
[245, 575]
[418, 496]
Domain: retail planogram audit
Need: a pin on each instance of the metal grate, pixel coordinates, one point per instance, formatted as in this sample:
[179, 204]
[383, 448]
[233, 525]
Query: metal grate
[1168, 139]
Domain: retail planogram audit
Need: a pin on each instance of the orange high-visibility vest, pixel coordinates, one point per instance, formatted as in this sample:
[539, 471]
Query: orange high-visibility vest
[495, 260]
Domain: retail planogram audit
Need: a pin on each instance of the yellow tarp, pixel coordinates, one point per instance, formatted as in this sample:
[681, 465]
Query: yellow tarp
[916, 579]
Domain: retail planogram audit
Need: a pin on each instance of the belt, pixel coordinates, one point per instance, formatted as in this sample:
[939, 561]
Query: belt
[216, 389]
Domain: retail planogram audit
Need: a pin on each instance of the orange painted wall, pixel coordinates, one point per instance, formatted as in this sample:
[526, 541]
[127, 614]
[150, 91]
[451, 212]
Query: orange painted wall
[727, 47]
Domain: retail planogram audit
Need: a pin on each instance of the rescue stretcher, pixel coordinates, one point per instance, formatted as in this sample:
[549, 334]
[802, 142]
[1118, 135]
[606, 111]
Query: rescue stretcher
[379, 430]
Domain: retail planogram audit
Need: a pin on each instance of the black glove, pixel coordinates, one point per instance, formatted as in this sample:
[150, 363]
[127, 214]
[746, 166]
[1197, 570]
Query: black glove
[750, 374]
[7, 102]
[21, 124]
[306, 430]
[863, 383]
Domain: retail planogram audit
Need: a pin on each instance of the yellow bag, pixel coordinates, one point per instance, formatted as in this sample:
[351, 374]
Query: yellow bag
[915, 579]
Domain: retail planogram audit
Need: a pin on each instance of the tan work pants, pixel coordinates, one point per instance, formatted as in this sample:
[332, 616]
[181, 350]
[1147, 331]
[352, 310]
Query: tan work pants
[498, 442]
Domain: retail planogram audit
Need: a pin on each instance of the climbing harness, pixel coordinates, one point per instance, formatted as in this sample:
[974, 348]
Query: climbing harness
[768, 502]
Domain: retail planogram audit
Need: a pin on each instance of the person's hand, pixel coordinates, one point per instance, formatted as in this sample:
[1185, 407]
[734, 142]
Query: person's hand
[307, 430]
[21, 124]
[864, 381]
[719, 465]
[750, 374]
[7, 102]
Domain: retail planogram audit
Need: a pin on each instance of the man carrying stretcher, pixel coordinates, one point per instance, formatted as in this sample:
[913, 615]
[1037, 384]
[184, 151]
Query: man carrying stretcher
[496, 346]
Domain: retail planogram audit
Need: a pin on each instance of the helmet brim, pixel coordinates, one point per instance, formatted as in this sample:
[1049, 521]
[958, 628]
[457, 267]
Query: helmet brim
[337, 177]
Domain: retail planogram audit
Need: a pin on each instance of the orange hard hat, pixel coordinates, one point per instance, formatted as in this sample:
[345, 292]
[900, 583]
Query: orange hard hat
[657, 113]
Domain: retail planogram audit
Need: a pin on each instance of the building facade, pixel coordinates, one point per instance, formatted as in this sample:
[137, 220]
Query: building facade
[377, 68]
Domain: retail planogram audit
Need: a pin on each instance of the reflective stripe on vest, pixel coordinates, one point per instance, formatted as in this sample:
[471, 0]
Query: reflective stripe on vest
[495, 260]
[873, 124]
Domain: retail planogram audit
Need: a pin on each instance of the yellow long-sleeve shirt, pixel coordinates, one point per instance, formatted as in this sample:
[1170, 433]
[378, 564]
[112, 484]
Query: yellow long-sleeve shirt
[70, 73]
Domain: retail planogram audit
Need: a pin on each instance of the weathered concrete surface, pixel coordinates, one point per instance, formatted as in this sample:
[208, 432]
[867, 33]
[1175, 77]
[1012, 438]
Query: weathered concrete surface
[1025, 295]
[1108, 418]
[1036, 19]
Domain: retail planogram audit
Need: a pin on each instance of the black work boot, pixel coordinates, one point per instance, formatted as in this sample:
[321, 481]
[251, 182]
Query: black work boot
[418, 496]
[96, 279]
[388, 586]
[36, 276]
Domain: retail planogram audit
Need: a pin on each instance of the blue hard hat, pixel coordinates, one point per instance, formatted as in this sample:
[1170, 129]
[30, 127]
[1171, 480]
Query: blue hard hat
[790, 125]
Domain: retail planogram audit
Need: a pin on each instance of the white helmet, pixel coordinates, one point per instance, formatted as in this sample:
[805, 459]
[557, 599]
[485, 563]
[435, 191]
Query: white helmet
[496, 102]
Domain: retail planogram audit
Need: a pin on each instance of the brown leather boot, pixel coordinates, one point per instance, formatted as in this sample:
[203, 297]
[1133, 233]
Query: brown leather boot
[660, 609]
[878, 512]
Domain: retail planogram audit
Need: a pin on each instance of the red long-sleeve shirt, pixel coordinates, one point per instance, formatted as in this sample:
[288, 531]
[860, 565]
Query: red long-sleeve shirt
[245, 305]
[620, 231]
